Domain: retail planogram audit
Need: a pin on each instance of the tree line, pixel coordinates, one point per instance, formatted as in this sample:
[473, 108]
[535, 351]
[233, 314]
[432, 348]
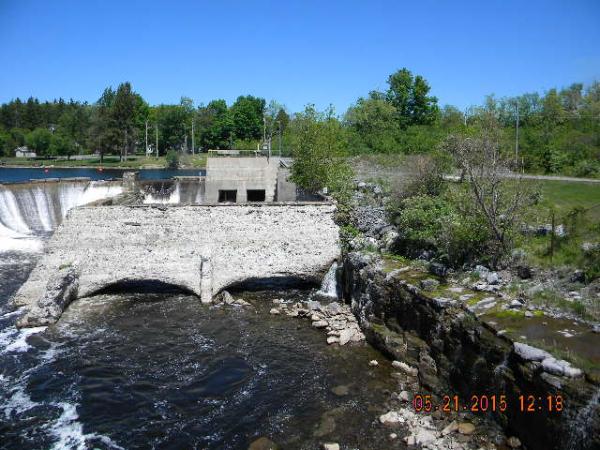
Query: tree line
[121, 123]
[558, 131]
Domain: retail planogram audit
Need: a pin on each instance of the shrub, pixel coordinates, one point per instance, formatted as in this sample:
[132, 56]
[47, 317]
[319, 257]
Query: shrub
[172, 158]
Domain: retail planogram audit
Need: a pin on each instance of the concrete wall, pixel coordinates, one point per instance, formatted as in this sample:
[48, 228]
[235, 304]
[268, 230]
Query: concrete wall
[203, 249]
[241, 174]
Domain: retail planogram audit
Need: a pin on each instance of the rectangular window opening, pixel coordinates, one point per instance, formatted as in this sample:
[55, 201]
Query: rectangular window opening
[255, 195]
[227, 196]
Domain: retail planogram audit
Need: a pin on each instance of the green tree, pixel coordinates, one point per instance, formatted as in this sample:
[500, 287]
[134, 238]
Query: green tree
[214, 125]
[39, 140]
[410, 96]
[319, 147]
[247, 115]
[62, 145]
[372, 121]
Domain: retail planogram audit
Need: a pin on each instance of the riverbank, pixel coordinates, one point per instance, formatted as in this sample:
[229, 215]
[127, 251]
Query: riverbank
[475, 334]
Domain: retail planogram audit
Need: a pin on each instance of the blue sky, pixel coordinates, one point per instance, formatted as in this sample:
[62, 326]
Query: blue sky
[296, 52]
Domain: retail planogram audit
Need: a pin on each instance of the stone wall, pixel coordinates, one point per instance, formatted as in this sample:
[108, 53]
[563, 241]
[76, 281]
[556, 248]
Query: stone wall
[456, 354]
[201, 249]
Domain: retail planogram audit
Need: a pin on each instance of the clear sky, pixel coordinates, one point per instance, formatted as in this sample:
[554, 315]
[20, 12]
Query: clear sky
[296, 52]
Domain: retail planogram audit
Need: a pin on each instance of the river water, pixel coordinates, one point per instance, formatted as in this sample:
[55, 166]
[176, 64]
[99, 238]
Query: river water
[18, 174]
[164, 371]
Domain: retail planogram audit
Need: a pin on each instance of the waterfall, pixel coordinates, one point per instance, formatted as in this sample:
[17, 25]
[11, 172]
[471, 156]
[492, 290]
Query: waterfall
[579, 436]
[329, 284]
[29, 211]
[168, 197]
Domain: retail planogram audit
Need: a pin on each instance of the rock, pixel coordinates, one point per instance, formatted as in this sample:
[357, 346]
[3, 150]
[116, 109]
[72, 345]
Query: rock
[524, 272]
[596, 328]
[333, 309]
[61, 290]
[274, 311]
[560, 367]
[429, 284]
[391, 418]
[451, 428]
[438, 269]
[513, 442]
[341, 390]
[529, 353]
[528, 314]
[373, 363]
[263, 443]
[346, 335]
[240, 302]
[412, 371]
[410, 440]
[278, 301]
[492, 278]
[424, 437]
[589, 247]
[333, 340]
[404, 396]
[482, 271]
[393, 436]
[577, 277]
[320, 323]
[515, 304]
[466, 428]
[314, 305]
[331, 446]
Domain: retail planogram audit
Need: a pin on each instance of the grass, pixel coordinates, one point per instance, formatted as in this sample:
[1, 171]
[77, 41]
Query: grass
[564, 199]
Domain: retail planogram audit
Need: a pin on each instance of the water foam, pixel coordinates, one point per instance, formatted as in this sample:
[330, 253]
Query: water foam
[69, 431]
[13, 340]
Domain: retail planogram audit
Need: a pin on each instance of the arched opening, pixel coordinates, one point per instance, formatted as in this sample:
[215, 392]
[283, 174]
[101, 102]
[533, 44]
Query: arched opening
[272, 283]
[142, 286]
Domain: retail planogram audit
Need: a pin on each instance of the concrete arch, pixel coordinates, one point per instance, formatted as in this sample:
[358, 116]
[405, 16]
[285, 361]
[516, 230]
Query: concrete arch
[142, 286]
[201, 249]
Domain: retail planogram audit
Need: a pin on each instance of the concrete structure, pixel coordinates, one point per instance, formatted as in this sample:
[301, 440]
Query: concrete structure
[224, 176]
[201, 249]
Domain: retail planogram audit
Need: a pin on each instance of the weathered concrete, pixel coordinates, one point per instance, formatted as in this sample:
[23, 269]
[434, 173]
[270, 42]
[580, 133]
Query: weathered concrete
[241, 174]
[202, 249]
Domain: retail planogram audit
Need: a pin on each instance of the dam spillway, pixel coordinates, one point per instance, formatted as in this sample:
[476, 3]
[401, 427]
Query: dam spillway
[200, 249]
[36, 209]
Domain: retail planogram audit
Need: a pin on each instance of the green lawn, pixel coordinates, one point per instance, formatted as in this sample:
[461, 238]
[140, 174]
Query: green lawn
[564, 198]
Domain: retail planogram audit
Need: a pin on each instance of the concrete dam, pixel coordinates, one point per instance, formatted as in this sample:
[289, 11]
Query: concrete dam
[197, 248]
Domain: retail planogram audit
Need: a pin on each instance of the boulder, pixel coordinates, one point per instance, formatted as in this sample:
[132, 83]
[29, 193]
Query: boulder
[529, 353]
[466, 428]
[438, 269]
[391, 418]
[61, 290]
[429, 284]
[263, 443]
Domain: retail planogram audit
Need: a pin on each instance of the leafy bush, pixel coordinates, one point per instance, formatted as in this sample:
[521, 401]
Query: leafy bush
[172, 158]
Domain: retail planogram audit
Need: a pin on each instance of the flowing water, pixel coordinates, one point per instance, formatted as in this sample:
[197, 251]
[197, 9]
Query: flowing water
[164, 371]
[29, 212]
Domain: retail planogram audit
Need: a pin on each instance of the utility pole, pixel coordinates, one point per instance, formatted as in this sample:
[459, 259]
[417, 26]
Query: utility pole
[264, 129]
[279, 124]
[517, 136]
[193, 153]
[146, 138]
[156, 131]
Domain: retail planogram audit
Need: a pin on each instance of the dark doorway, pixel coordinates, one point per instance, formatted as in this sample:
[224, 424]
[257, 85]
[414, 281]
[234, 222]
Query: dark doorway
[227, 196]
[255, 195]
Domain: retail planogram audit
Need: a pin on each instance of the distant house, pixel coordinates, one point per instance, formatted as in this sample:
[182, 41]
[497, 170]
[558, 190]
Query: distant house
[24, 152]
